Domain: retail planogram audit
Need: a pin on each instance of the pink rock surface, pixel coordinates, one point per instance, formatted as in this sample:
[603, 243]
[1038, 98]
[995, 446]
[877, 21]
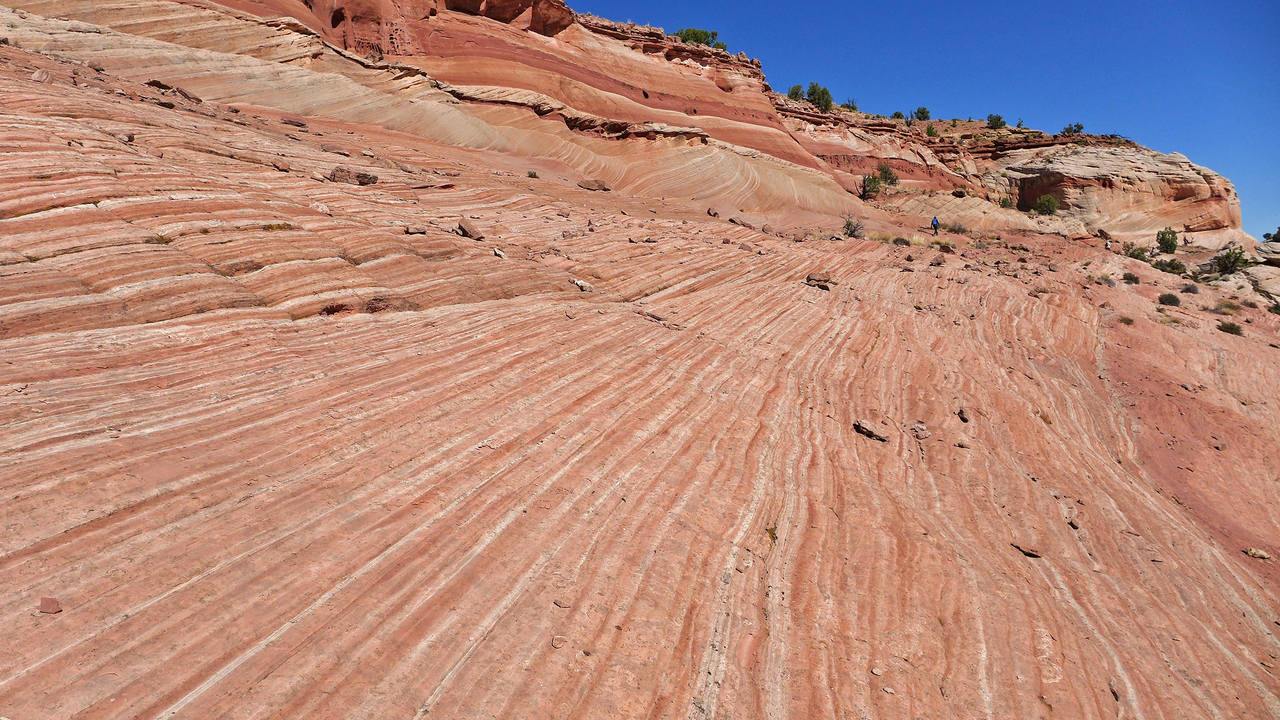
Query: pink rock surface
[290, 461]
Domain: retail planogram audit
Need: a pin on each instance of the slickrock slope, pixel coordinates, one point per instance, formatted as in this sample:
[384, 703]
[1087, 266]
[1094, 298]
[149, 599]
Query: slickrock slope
[281, 444]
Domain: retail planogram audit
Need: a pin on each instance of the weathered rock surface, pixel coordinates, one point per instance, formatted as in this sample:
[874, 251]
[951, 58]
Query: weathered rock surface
[277, 457]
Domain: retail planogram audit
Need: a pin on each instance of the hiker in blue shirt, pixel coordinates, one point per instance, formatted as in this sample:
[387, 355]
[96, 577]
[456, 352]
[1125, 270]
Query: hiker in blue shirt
[935, 226]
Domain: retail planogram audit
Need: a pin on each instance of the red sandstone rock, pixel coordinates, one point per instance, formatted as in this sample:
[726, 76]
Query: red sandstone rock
[550, 17]
[352, 177]
[594, 185]
[50, 606]
[244, 405]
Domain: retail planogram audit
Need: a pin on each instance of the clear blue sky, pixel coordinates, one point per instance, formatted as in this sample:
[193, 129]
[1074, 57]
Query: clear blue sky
[1199, 78]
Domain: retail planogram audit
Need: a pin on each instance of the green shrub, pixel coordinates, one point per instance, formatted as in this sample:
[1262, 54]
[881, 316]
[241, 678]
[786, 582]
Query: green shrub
[533, 174]
[1230, 328]
[853, 228]
[1274, 309]
[1131, 279]
[886, 174]
[1137, 252]
[796, 92]
[1073, 129]
[995, 122]
[1170, 299]
[1020, 122]
[931, 131]
[921, 113]
[1249, 304]
[898, 115]
[1230, 261]
[1269, 237]
[1126, 320]
[1047, 205]
[870, 186]
[698, 36]
[850, 105]
[1006, 202]
[1170, 265]
[1225, 307]
[819, 97]
[1191, 289]
[1167, 241]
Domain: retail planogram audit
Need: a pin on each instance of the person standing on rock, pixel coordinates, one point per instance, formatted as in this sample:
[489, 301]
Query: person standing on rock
[935, 226]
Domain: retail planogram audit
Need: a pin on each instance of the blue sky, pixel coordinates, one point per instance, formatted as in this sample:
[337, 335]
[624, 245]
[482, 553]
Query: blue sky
[1198, 78]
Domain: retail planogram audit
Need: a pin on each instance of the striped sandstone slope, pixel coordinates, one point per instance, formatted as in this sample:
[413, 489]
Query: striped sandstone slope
[288, 447]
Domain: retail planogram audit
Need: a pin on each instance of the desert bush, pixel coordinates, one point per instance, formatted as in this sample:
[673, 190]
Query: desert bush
[995, 122]
[1006, 202]
[870, 186]
[698, 36]
[1073, 129]
[886, 174]
[1191, 289]
[1230, 328]
[1170, 265]
[1274, 309]
[1137, 252]
[1047, 205]
[533, 174]
[1230, 261]
[1131, 279]
[1269, 237]
[898, 115]
[1126, 320]
[796, 92]
[853, 228]
[1225, 307]
[921, 113]
[819, 97]
[931, 131]
[1249, 304]
[850, 105]
[1169, 299]
[955, 227]
[901, 242]
[1167, 241]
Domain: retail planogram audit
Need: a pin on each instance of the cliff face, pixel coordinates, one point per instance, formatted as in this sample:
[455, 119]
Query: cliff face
[543, 71]
[420, 360]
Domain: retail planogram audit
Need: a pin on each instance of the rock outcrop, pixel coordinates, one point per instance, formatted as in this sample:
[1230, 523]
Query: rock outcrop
[279, 446]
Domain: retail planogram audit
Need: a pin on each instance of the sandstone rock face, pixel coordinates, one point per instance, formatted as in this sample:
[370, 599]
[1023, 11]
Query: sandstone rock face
[1125, 189]
[1269, 252]
[289, 448]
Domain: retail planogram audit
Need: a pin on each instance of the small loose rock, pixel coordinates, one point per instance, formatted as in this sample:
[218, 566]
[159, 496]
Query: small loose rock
[867, 429]
[819, 280]
[468, 229]
[352, 177]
